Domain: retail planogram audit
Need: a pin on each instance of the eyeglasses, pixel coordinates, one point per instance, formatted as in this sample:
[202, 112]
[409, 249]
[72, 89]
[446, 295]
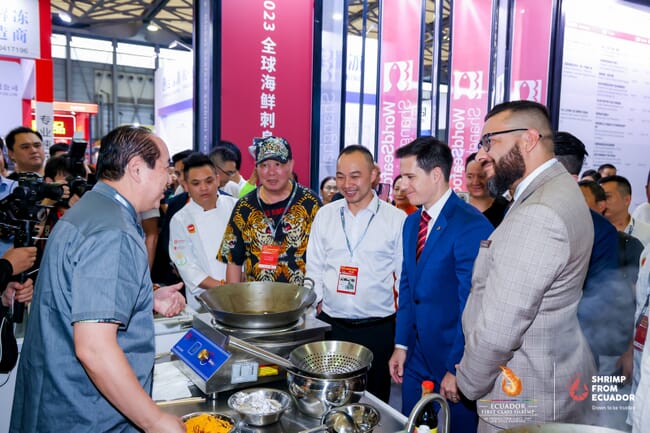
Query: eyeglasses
[227, 173]
[486, 141]
[330, 188]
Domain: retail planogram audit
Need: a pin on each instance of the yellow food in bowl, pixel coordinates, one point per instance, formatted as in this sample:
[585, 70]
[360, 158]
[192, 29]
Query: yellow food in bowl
[206, 423]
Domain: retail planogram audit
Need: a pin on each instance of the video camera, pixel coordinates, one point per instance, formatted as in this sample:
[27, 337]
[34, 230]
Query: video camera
[24, 205]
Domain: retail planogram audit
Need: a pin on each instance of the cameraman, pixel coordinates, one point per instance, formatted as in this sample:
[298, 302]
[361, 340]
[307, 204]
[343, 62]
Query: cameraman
[59, 170]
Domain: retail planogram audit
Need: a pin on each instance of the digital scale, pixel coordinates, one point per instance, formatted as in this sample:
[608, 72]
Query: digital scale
[204, 356]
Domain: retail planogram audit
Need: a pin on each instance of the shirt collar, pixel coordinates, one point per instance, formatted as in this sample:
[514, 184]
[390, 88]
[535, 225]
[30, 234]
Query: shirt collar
[531, 177]
[435, 209]
[372, 207]
[110, 192]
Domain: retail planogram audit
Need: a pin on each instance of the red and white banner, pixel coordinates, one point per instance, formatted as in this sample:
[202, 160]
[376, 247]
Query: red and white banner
[401, 28]
[469, 78]
[266, 70]
[531, 46]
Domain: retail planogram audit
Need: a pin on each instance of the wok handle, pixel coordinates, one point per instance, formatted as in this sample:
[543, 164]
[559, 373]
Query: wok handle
[310, 281]
[260, 353]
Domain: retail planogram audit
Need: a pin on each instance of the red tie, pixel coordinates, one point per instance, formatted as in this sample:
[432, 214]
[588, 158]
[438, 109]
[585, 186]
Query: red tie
[422, 233]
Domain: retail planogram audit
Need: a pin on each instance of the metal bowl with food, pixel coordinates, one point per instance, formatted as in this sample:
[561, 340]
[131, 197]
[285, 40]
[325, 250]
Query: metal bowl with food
[259, 406]
[364, 416]
[208, 422]
[258, 304]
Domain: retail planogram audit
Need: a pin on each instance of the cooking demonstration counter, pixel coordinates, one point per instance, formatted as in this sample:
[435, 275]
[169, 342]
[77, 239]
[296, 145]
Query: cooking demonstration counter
[292, 421]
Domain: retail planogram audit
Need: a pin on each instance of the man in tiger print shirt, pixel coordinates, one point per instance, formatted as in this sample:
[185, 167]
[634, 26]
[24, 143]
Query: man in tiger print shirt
[267, 234]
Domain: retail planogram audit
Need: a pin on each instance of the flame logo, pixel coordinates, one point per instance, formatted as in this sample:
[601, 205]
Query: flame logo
[510, 384]
[573, 390]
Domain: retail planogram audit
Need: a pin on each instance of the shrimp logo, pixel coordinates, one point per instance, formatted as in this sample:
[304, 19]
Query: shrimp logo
[528, 90]
[510, 384]
[468, 84]
[575, 392]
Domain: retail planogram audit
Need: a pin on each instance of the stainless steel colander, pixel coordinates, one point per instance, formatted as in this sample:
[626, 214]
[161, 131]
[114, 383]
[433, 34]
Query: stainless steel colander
[329, 359]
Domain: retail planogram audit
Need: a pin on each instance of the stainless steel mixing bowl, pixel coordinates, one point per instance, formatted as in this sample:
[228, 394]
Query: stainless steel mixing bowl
[256, 416]
[315, 396]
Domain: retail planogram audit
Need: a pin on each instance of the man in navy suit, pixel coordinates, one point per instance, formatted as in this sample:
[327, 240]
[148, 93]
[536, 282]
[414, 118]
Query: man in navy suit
[439, 251]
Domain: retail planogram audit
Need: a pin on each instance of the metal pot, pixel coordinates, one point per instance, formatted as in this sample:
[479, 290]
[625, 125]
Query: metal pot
[559, 428]
[257, 305]
[315, 397]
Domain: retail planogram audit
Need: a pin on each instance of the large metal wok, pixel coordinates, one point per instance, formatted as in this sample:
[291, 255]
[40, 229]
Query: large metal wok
[257, 305]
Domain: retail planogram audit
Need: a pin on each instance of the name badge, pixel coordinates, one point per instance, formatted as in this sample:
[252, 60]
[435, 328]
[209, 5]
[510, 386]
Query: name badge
[348, 276]
[641, 331]
[269, 257]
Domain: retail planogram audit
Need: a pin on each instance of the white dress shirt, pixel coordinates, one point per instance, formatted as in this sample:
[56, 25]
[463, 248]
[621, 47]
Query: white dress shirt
[435, 209]
[639, 230]
[194, 238]
[529, 179]
[642, 213]
[377, 254]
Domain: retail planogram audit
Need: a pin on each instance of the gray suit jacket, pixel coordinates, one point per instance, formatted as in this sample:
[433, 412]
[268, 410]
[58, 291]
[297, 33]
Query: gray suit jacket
[521, 312]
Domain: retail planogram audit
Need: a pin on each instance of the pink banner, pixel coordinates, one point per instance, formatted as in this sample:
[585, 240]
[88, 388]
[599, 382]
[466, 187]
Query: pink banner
[531, 45]
[399, 74]
[468, 96]
[267, 76]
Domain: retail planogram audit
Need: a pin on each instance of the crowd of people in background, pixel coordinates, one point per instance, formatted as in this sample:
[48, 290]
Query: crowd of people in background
[538, 274]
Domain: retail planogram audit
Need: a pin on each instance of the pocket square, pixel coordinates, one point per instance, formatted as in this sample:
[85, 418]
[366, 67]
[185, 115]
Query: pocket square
[486, 243]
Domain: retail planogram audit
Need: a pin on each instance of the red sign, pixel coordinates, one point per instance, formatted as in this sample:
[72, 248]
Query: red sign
[531, 45]
[399, 74]
[62, 127]
[267, 76]
[469, 78]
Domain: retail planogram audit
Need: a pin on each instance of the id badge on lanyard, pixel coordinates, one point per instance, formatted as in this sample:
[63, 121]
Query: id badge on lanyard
[641, 330]
[347, 283]
[269, 257]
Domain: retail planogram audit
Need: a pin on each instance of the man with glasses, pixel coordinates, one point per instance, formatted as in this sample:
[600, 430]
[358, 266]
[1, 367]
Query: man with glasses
[225, 161]
[523, 341]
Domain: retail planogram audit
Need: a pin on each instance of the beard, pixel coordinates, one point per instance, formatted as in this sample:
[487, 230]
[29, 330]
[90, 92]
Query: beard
[507, 171]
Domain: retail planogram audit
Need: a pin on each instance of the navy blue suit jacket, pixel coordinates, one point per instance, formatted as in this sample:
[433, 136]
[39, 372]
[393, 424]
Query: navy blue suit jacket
[434, 290]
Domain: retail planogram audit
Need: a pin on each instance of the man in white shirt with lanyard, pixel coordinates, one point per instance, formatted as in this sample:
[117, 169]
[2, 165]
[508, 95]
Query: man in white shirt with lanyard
[354, 256]
[197, 229]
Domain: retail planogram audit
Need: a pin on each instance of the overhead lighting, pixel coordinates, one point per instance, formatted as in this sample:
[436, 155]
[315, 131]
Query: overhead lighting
[337, 16]
[176, 43]
[65, 17]
[152, 27]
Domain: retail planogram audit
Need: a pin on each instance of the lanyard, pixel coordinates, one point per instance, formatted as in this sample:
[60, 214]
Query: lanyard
[268, 221]
[363, 235]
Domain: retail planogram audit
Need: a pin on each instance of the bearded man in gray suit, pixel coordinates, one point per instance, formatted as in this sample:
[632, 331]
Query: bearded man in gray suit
[523, 342]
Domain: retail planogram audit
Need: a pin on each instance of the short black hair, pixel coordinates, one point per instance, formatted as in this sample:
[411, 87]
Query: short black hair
[56, 165]
[606, 165]
[196, 159]
[232, 146]
[362, 150]
[596, 190]
[121, 145]
[59, 147]
[592, 173]
[570, 151]
[325, 180]
[623, 185]
[222, 153]
[520, 106]
[471, 157]
[429, 153]
[181, 156]
[10, 139]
